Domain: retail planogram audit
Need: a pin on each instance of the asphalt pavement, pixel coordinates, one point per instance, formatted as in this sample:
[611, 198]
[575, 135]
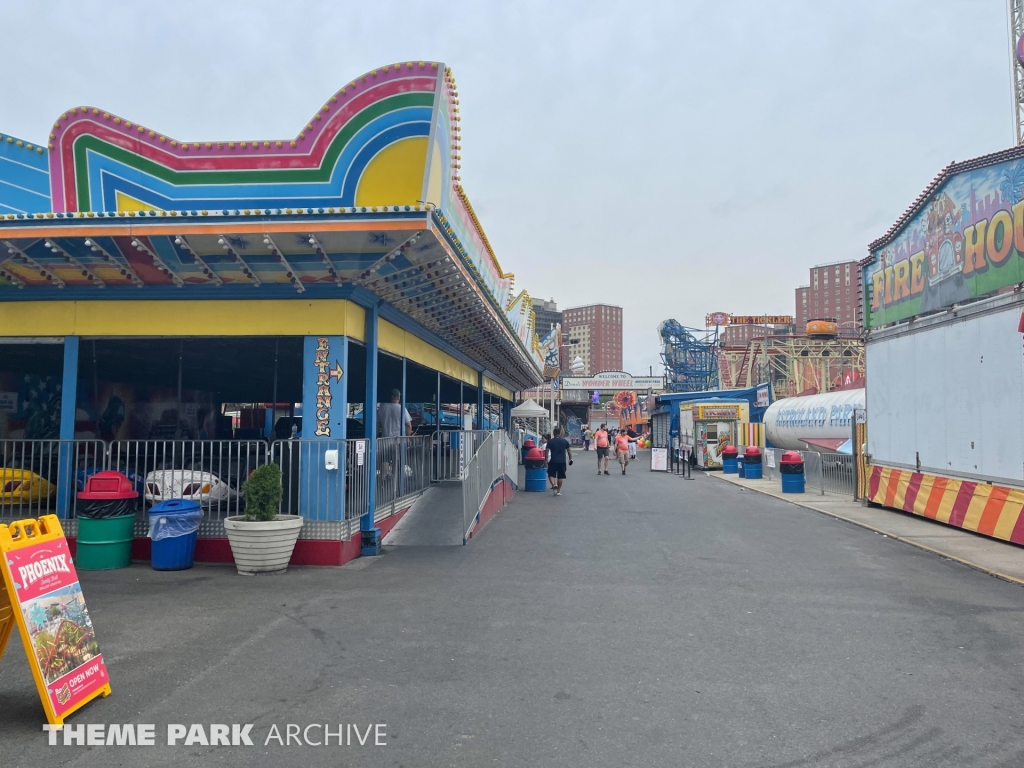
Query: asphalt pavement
[643, 620]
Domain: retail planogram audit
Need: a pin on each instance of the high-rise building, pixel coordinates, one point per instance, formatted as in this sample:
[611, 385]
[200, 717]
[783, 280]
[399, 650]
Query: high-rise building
[833, 291]
[593, 333]
[546, 315]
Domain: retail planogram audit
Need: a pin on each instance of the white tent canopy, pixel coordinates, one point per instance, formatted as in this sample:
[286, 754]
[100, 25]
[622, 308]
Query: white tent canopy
[530, 410]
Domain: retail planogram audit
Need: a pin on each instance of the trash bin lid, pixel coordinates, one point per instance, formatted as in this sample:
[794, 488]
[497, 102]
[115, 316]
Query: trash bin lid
[730, 451]
[535, 454]
[791, 457]
[175, 507]
[528, 443]
[752, 450]
[108, 486]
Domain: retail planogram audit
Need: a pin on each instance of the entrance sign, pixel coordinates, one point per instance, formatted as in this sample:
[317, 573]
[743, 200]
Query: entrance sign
[659, 459]
[43, 597]
[360, 452]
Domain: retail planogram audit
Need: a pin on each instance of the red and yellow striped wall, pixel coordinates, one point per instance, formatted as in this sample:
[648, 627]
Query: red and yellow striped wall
[750, 434]
[991, 510]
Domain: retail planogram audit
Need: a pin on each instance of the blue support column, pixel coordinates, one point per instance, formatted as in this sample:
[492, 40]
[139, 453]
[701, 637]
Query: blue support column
[481, 424]
[66, 453]
[370, 533]
[324, 408]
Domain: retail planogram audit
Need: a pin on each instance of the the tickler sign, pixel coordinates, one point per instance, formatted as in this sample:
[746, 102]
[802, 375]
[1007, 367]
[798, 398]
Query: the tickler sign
[42, 596]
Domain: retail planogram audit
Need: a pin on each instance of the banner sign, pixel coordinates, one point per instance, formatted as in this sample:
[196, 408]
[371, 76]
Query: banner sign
[720, 318]
[717, 412]
[965, 241]
[614, 380]
[760, 319]
[43, 597]
[761, 396]
[659, 459]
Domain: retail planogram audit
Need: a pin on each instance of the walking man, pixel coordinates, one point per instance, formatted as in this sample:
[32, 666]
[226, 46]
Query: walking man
[601, 442]
[632, 442]
[622, 440]
[392, 421]
[558, 453]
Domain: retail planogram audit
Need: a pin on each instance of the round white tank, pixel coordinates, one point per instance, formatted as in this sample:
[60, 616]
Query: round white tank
[788, 422]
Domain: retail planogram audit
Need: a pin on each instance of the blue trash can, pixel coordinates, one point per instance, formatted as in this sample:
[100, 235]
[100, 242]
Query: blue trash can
[791, 469]
[751, 459]
[173, 529]
[729, 454]
[537, 480]
[740, 468]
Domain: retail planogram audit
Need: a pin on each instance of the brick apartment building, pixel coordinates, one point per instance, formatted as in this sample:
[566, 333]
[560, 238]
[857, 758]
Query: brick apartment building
[832, 291]
[593, 333]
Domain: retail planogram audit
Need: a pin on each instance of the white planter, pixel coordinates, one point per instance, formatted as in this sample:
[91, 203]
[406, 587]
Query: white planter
[262, 546]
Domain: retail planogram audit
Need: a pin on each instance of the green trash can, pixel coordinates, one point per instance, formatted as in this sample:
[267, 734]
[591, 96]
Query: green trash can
[106, 522]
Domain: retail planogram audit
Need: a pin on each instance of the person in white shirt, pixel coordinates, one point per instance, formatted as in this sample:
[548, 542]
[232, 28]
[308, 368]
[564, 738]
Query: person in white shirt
[392, 417]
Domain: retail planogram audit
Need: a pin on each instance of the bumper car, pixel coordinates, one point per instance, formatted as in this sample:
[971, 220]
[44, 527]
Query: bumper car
[192, 484]
[22, 486]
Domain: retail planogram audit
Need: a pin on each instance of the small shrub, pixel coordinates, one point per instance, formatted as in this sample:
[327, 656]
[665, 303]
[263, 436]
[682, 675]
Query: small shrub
[263, 493]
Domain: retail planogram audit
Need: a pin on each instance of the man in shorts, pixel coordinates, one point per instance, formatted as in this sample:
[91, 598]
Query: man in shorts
[559, 455]
[622, 440]
[601, 441]
[632, 442]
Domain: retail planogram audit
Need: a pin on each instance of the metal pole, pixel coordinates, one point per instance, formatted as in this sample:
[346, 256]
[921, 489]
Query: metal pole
[181, 354]
[437, 423]
[273, 405]
[366, 522]
[1015, 72]
[95, 382]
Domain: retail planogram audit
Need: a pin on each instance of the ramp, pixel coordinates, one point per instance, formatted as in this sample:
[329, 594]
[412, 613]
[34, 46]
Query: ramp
[435, 520]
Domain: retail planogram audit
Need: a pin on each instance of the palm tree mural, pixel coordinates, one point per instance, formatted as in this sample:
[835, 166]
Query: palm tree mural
[1011, 186]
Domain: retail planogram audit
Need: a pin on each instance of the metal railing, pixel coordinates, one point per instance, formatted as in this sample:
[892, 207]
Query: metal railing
[36, 476]
[44, 476]
[838, 474]
[403, 471]
[454, 449]
[482, 470]
[318, 478]
[512, 456]
[210, 472]
[823, 472]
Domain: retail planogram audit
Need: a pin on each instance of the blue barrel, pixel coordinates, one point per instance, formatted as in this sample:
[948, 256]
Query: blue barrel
[729, 454]
[537, 480]
[792, 483]
[741, 470]
[791, 469]
[753, 472]
[177, 523]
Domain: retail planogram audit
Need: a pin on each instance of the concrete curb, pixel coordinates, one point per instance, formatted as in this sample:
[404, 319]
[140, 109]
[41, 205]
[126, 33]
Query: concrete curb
[868, 526]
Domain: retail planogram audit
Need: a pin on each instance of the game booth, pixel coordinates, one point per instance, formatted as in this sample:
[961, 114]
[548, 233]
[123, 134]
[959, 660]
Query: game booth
[186, 311]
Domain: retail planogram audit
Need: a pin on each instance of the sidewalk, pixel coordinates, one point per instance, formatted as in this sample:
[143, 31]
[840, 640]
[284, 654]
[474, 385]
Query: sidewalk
[995, 557]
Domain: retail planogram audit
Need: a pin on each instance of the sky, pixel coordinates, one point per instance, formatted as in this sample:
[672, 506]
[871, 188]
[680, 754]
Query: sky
[674, 158]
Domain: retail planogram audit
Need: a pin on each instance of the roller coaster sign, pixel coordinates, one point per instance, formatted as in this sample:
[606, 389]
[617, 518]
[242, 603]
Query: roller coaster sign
[43, 597]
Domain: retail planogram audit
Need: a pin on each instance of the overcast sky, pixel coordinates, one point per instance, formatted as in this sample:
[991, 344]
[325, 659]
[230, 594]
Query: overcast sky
[673, 158]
